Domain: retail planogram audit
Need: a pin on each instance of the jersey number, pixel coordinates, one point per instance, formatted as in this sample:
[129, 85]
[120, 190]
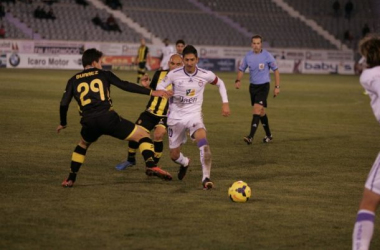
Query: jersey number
[96, 86]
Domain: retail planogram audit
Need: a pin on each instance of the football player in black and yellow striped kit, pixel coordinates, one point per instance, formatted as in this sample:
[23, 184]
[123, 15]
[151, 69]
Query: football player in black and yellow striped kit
[91, 89]
[154, 117]
[142, 59]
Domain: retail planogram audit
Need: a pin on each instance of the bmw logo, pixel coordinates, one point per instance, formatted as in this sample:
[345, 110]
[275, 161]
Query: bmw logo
[14, 60]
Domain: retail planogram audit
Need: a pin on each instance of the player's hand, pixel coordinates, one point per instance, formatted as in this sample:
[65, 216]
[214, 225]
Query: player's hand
[145, 81]
[59, 128]
[226, 109]
[237, 85]
[276, 91]
[161, 93]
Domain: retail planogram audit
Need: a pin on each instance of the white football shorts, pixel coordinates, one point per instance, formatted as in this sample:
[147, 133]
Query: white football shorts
[373, 179]
[178, 128]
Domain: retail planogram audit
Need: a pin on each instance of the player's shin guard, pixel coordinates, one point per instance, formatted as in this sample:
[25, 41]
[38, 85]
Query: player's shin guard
[77, 160]
[133, 146]
[363, 230]
[205, 155]
[147, 151]
[254, 125]
[265, 123]
[158, 148]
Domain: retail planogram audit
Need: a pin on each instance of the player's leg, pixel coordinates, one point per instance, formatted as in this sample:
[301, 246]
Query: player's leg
[126, 130]
[256, 111]
[264, 121]
[205, 157]
[77, 159]
[158, 137]
[140, 71]
[177, 137]
[148, 124]
[147, 150]
[365, 219]
[131, 158]
[263, 96]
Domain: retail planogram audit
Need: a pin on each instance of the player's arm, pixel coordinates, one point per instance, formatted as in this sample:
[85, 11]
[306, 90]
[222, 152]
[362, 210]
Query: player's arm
[223, 93]
[276, 90]
[243, 66]
[164, 82]
[64, 106]
[238, 79]
[133, 87]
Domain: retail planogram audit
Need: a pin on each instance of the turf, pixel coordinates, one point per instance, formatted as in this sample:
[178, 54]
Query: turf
[306, 185]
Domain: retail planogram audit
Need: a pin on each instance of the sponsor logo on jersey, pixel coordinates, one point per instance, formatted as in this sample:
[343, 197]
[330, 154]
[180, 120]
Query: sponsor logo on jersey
[190, 92]
[188, 100]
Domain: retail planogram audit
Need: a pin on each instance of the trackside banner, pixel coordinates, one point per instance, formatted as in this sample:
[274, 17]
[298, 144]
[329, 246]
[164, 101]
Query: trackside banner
[42, 61]
[328, 67]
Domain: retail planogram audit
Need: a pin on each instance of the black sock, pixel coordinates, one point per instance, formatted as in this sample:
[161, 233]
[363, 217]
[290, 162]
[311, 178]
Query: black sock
[146, 149]
[158, 148]
[77, 160]
[265, 123]
[254, 125]
[133, 146]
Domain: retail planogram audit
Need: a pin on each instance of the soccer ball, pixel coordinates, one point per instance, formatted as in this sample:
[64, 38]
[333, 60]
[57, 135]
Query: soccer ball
[239, 191]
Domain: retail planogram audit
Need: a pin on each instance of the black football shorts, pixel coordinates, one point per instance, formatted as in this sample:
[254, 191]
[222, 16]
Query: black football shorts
[259, 93]
[107, 124]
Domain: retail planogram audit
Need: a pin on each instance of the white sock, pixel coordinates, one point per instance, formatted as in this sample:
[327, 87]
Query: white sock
[363, 230]
[205, 155]
[182, 160]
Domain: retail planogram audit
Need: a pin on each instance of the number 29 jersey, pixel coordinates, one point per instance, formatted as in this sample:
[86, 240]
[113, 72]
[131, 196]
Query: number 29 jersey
[91, 89]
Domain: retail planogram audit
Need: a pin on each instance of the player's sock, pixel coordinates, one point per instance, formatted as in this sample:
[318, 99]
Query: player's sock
[205, 155]
[133, 146]
[254, 125]
[264, 122]
[158, 148]
[146, 149]
[182, 160]
[363, 230]
[77, 160]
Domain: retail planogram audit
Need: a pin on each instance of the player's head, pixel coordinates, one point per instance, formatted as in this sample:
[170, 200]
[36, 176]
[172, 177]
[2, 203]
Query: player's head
[256, 43]
[190, 58]
[175, 61]
[179, 46]
[166, 41]
[91, 57]
[369, 47]
[142, 41]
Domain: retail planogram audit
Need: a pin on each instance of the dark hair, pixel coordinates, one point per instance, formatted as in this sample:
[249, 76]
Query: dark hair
[369, 47]
[90, 56]
[180, 41]
[257, 36]
[190, 49]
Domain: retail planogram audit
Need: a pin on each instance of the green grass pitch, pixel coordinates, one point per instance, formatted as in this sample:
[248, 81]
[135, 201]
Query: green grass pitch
[306, 185]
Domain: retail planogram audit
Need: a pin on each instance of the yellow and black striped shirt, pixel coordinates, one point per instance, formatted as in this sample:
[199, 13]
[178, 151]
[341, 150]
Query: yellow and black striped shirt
[158, 105]
[142, 53]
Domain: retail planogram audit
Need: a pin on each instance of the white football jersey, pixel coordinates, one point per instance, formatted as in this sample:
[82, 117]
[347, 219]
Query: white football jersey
[188, 91]
[167, 51]
[370, 80]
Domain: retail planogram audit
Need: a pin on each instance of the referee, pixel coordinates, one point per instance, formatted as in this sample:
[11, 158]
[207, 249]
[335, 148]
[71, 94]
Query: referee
[260, 62]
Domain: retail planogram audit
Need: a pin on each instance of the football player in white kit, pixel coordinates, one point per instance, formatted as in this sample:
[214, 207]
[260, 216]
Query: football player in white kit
[185, 111]
[167, 52]
[370, 79]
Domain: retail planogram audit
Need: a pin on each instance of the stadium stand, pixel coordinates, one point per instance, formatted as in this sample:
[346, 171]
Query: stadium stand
[323, 14]
[73, 22]
[184, 19]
